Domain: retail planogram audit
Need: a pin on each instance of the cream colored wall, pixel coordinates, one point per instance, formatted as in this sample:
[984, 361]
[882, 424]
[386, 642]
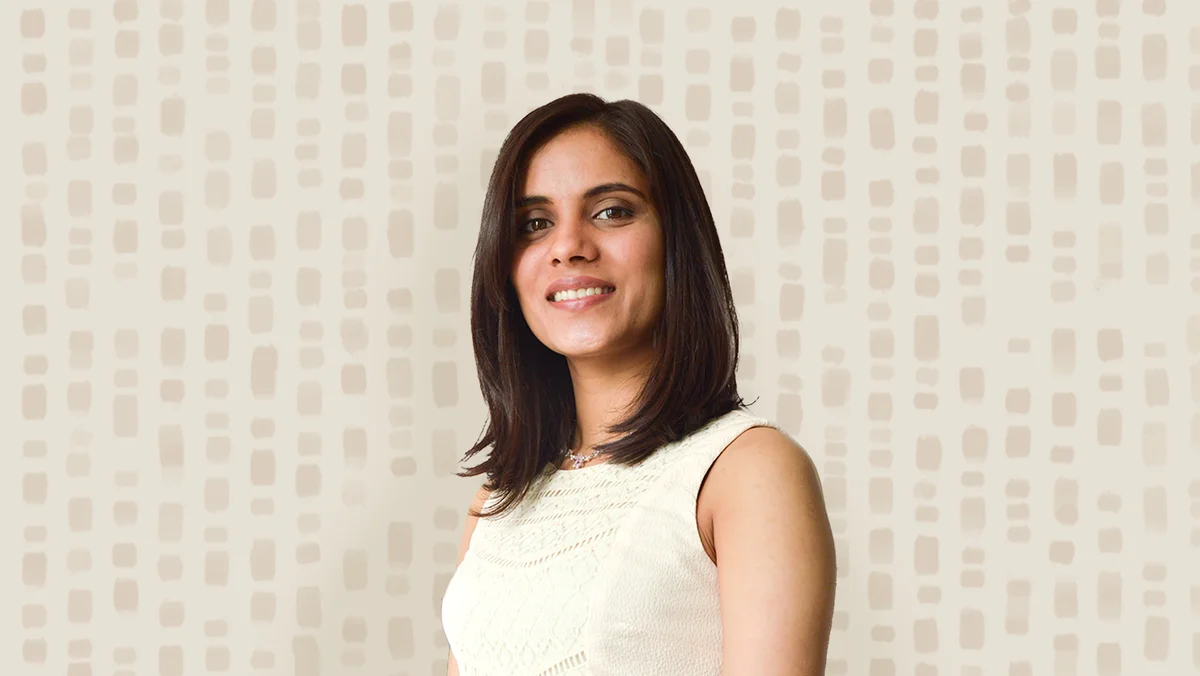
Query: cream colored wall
[239, 377]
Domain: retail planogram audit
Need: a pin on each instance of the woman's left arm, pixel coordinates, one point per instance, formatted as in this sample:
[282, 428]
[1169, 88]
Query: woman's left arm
[776, 565]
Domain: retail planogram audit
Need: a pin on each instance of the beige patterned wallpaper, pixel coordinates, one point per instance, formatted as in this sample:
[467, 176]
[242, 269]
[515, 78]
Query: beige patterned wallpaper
[238, 380]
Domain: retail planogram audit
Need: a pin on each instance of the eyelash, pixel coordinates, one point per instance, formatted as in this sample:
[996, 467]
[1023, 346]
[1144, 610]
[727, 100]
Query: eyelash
[613, 208]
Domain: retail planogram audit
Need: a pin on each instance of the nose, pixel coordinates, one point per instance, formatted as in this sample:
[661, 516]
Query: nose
[571, 238]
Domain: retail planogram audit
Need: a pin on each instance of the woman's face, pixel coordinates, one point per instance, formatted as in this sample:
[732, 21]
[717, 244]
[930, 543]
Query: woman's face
[584, 209]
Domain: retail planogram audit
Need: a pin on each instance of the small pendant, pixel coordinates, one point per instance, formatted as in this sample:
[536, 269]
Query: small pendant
[580, 459]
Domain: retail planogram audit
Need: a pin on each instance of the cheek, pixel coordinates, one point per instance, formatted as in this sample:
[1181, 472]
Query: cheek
[521, 281]
[656, 265]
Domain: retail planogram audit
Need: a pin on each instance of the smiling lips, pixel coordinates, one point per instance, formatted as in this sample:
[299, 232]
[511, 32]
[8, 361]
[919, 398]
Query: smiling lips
[580, 294]
[583, 301]
[578, 284]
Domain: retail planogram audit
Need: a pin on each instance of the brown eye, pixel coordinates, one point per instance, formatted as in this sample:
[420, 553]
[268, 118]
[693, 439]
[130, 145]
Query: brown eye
[532, 220]
[623, 210]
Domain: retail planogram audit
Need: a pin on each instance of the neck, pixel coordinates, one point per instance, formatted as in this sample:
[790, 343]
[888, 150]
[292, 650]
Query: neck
[604, 395]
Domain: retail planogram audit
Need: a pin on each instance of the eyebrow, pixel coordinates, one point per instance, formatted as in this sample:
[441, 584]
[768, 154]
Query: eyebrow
[531, 200]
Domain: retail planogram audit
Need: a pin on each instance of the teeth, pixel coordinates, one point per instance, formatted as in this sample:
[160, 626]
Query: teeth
[581, 293]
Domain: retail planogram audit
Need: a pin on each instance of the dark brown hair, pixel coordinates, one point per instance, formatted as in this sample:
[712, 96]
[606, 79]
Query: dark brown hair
[527, 386]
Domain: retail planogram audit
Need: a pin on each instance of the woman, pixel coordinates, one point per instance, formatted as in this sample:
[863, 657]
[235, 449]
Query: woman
[643, 521]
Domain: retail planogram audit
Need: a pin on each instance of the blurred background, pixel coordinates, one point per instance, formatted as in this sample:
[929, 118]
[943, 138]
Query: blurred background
[239, 379]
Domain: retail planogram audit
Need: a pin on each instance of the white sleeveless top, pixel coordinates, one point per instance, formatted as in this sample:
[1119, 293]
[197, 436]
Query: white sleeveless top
[599, 571]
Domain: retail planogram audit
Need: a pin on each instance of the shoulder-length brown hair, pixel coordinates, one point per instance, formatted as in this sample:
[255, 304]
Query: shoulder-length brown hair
[527, 387]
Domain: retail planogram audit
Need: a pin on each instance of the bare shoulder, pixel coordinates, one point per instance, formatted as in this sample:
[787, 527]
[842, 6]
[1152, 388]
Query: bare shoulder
[481, 498]
[765, 471]
[763, 457]
[760, 458]
[767, 444]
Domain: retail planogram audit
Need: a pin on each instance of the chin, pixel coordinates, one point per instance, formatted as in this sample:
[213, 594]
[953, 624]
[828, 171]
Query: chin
[576, 350]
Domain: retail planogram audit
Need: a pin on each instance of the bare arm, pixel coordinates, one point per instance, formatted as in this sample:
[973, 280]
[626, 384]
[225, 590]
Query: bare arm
[468, 528]
[776, 563]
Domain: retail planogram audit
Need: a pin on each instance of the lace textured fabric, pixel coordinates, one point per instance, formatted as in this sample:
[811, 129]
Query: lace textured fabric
[600, 571]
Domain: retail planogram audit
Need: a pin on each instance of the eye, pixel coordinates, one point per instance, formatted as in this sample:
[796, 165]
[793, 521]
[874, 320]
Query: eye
[621, 214]
[620, 209]
[524, 225]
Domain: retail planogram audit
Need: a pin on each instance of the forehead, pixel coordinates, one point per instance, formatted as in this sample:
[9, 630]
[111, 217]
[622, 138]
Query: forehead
[574, 161]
